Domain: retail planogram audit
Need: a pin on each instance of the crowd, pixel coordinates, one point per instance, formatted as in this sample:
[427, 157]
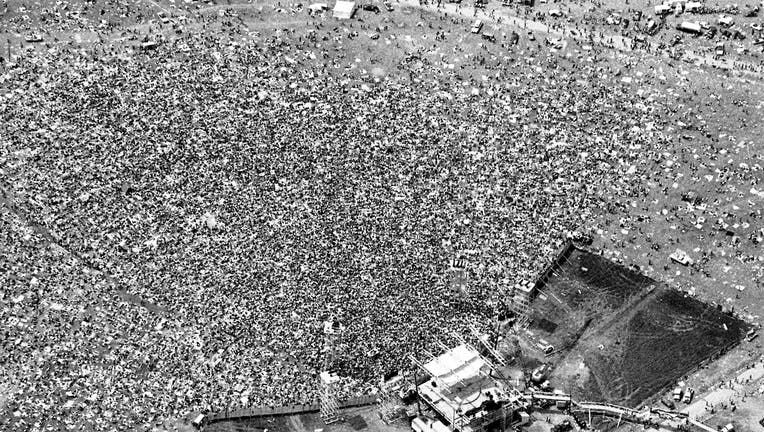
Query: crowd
[248, 192]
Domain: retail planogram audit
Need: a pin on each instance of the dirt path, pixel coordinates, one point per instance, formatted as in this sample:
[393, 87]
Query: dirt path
[7, 202]
[503, 18]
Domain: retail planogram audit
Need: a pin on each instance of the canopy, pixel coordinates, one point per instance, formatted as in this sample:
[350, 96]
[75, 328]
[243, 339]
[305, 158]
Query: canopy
[344, 9]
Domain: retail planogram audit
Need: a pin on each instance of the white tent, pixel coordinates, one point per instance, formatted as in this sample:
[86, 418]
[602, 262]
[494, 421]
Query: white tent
[344, 9]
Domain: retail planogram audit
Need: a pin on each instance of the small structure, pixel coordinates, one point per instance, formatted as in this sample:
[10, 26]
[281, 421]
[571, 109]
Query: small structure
[344, 10]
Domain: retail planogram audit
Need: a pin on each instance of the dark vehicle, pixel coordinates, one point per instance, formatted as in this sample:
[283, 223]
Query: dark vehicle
[489, 37]
[637, 16]
[371, 8]
[514, 38]
[565, 426]
[668, 404]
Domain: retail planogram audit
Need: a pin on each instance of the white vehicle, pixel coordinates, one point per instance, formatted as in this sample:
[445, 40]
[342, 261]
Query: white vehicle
[726, 21]
[476, 26]
[662, 9]
[688, 395]
[680, 257]
[690, 27]
[543, 345]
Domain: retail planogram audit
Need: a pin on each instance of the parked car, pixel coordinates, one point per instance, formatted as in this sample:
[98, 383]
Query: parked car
[371, 8]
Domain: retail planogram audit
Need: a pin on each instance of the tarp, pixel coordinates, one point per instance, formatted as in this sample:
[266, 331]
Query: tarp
[344, 9]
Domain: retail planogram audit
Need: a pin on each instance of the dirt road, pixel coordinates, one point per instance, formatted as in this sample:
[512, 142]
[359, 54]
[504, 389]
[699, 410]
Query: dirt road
[503, 18]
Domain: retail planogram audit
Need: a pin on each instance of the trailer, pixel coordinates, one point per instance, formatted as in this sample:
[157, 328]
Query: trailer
[690, 27]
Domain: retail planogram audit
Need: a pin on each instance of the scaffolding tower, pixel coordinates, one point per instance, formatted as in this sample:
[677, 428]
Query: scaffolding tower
[327, 379]
[521, 304]
[330, 409]
[390, 402]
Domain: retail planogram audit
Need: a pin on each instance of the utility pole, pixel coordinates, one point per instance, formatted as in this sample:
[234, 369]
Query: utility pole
[416, 386]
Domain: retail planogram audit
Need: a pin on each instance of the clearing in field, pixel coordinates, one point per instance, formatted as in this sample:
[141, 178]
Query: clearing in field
[622, 337]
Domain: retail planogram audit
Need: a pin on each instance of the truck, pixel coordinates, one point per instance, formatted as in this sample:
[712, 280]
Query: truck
[690, 27]
[662, 9]
[677, 394]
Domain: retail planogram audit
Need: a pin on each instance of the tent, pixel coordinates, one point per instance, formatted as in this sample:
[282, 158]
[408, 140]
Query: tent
[344, 9]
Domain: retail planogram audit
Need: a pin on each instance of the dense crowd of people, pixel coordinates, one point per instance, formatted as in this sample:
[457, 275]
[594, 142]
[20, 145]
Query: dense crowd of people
[204, 208]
